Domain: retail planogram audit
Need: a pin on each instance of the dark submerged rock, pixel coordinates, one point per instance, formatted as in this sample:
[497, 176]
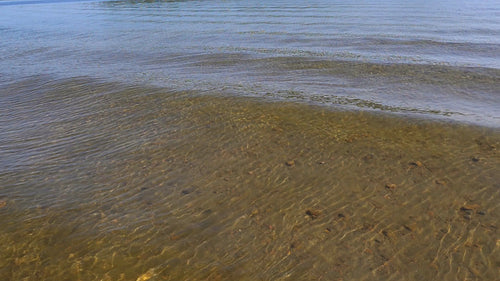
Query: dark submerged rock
[391, 186]
[313, 214]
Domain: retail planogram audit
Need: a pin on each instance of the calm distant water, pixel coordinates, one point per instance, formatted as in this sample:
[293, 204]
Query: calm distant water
[431, 58]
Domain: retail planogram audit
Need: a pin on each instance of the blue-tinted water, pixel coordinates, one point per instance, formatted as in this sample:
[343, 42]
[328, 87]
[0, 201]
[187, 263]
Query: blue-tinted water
[436, 59]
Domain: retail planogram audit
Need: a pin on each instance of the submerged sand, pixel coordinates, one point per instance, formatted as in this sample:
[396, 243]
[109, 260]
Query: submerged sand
[155, 185]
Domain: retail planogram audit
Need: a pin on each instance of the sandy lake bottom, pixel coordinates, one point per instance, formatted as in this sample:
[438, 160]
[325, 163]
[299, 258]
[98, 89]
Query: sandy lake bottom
[108, 182]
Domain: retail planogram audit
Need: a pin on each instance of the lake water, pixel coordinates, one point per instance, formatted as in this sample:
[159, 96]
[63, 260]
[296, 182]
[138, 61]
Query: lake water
[436, 59]
[249, 140]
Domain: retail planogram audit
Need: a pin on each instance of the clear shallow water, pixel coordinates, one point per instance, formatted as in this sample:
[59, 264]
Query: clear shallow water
[434, 59]
[151, 141]
[102, 181]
